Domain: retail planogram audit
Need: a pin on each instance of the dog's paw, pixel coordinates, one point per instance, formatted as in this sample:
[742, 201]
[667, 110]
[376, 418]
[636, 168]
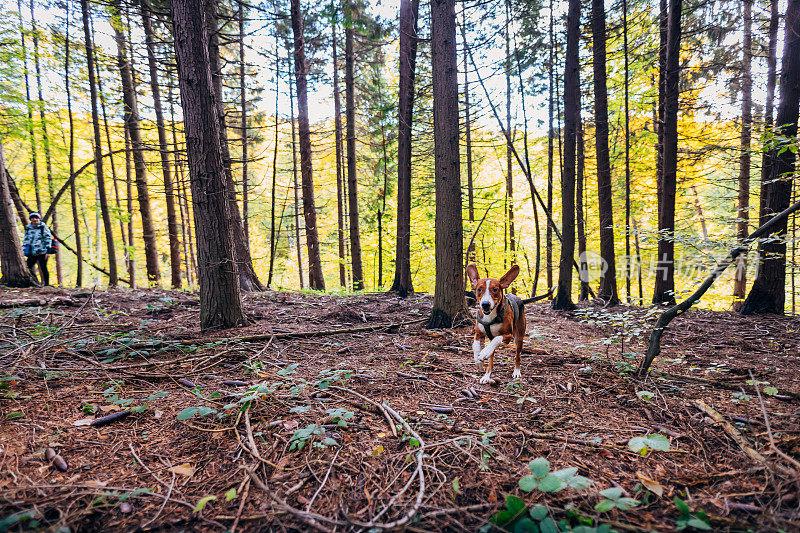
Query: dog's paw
[487, 377]
[517, 374]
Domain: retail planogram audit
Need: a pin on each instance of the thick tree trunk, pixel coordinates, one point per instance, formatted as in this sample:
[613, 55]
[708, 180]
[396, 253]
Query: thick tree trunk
[273, 238]
[248, 281]
[563, 298]
[337, 110]
[46, 142]
[130, 254]
[772, 63]
[169, 189]
[294, 177]
[113, 280]
[580, 225]
[509, 141]
[71, 156]
[608, 274]
[139, 165]
[627, 155]
[664, 292]
[352, 181]
[243, 98]
[768, 294]
[468, 138]
[15, 272]
[315, 279]
[743, 210]
[220, 300]
[29, 105]
[662, 77]
[409, 10]
[449, 305]
[550, 158]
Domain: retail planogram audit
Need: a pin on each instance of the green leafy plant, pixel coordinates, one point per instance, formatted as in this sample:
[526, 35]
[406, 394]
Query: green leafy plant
[642, 445]
[200, 410]
[309, 434]
[340, 415]
[698, 520]
[542, 479]
[613, 499]
[645, 395]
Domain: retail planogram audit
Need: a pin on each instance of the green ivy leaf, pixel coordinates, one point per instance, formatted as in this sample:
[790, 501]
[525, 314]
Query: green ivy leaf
[538, 513]
[627, 503]
[528, 483]
[681, 505]
[772, 391]
[613, 493]
[526, 525]
[604, 505]
[231, 494]
[579, 482]
[548, 526]
[655, 441]
[698, 524]
[551, 483]
[540, 467]
[515, 505]
[188, 413]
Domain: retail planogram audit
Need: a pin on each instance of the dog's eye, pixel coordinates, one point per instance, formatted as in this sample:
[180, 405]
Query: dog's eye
[494, 289]
[480, 291]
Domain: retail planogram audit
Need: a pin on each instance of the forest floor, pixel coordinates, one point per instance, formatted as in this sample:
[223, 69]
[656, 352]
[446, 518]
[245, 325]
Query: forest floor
[369, 424]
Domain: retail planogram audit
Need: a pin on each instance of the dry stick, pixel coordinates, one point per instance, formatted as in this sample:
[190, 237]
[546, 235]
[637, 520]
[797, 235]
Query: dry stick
[654, 347]
[777, 450]
[737, 437]
[241, 504]
[166, 499]
[324, 480]
[373, 402]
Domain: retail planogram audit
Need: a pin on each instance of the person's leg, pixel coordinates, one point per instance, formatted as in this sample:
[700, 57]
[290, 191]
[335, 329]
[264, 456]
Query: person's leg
[30, 261]
[43, 268]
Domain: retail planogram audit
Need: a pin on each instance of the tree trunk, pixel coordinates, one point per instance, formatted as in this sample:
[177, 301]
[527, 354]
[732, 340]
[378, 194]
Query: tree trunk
[743, 211]
[550, 158]
[768, 294]
[243, 98]
[662, 73]
[608, 274]
[563, 298]
[15, 272]
[509, 141]
[294, 176]
[352, 181]
[248, 281]
[664, 292]
[273, 243]
[169, 190]
[468, 135]
[627, 155]
[220, 299]
[46, 142]
[580, 224]
[409, 11]
[98, 159]
[71, 156]
[139, 165]
[449, 305]
[130, 254]
[29, 105]
[337, 110]
[772, 62]
[315, 279]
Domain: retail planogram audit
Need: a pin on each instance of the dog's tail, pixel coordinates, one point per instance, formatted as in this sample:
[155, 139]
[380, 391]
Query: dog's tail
[540, 297]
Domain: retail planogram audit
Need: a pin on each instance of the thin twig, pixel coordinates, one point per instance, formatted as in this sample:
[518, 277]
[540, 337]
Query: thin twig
[324, 480]
[373, 402]
[166, 499]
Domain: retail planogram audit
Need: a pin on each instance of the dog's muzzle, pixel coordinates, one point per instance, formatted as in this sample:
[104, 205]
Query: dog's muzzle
[487, 307]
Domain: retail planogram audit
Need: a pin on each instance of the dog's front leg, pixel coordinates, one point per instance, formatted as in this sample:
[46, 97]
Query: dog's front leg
[476, 349]
[488, 352]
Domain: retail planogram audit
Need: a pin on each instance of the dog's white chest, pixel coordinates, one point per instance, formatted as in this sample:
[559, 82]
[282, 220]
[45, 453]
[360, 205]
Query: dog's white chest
[494, 328]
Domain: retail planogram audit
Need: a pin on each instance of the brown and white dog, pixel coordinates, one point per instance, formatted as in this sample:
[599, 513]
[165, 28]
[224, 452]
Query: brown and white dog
[500, 318]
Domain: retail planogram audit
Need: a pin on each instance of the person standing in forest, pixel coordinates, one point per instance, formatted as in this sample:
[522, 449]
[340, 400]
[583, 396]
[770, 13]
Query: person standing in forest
[37, 245]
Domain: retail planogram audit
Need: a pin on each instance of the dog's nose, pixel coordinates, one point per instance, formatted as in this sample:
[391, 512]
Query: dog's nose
[486, 307]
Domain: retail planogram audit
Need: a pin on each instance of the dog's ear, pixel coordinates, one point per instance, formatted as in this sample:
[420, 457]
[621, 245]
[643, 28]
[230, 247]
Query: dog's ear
[472, 274]
[509, 276]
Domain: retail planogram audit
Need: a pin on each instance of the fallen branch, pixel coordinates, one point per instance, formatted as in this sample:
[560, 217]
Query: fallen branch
[654, 347]
[739, 439]
[373, 402]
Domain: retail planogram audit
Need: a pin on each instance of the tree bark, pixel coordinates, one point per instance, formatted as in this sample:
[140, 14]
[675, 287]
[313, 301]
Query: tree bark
[248, 281]
[563, 298]
[220, 299]
[15, 272]
[113, 280]
[768, 294]
[743, 210]
[409, 11]
[294, 176]
[550, 158]
[627, 155]
[337, 110]
[772, 63]
[352, 181]
[608, 273]
[139, 165]
[169, 189]
[664, 292]
[315, 279]
[273, 238]
[662, 73]
[29, 105]
[580, 225]
[243, 98]
[71, 156]
[509, 141]
[45, 141]
[449, 305]
[468, 138]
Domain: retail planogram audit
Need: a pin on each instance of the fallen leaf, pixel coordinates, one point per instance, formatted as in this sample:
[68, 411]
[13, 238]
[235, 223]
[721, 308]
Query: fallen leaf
[290, 424]
[110, 408]
[83, 421]
[650, 484]
[186, 469]
[377, 451]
